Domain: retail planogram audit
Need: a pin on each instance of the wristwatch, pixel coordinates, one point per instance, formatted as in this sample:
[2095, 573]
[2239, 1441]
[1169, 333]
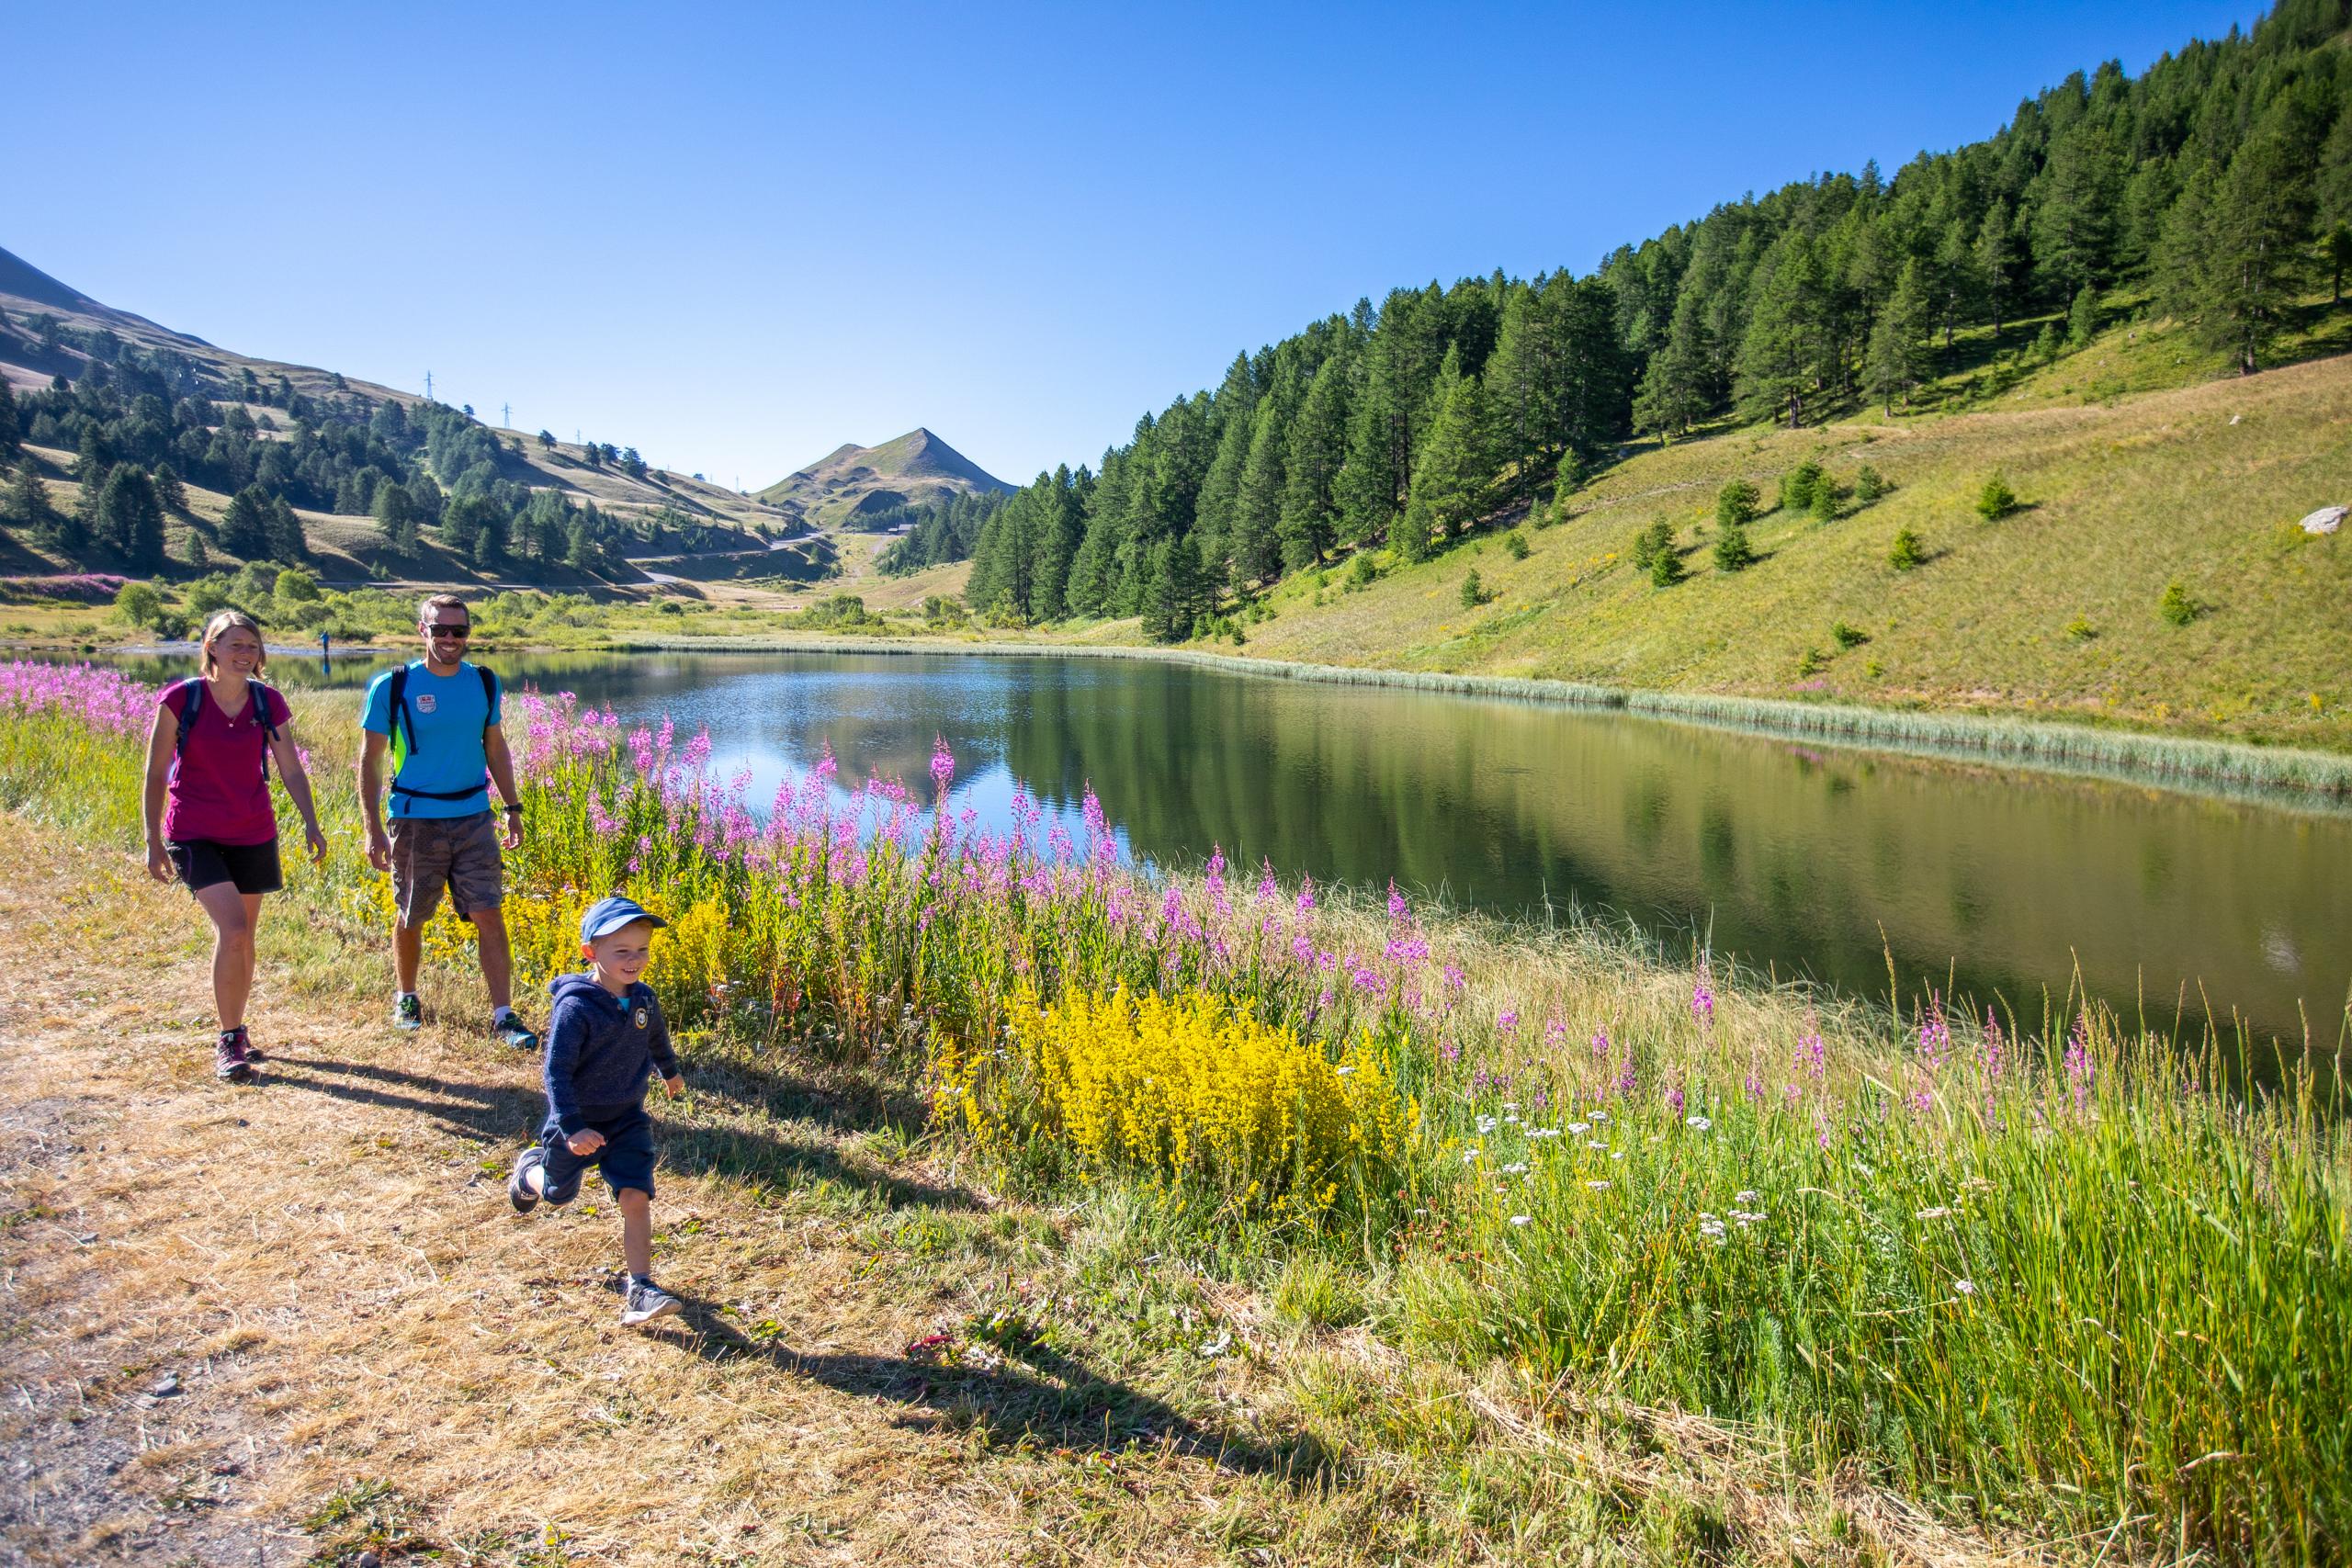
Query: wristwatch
[513, 807]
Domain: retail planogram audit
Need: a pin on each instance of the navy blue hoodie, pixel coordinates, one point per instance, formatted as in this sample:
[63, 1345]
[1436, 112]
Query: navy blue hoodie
[600, 1049]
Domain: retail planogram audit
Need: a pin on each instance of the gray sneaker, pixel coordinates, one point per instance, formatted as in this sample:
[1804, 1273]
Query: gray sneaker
[509, 1031]
[519, 1190]
[647, 1301]
[408, 1011]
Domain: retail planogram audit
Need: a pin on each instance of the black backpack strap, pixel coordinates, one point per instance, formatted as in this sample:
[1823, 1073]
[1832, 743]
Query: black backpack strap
[399, 695]
[488, 694]
[261, 697]
[191, 704]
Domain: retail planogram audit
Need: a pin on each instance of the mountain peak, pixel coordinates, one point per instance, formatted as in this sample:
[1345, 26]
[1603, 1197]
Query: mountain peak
[851, 481]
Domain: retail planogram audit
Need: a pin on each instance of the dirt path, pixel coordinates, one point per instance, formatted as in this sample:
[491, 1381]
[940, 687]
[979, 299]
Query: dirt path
[234, 1312]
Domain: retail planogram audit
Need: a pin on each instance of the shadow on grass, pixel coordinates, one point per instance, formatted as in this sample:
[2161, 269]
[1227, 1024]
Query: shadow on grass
[1050, 1399]
[511, 1115]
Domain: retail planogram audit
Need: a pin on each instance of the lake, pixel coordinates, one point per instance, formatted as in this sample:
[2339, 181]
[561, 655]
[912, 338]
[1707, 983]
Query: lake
[1811, 860]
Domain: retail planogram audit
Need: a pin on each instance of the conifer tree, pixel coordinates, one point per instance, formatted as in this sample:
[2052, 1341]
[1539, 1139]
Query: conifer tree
[2233, 250]
[1454, 468]
[130, 523]
[395, 516]
[170, 493]
[1996, 262]
[2082, 316]
[244, 529]
[1258, 506]
[1898, 354]
[285, 532]
[1313, 455]
[11, 423]
[26, 505]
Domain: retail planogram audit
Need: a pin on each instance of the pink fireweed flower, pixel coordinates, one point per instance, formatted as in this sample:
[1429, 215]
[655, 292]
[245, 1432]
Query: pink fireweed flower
[1601, 1044]
[1812, 1057]
[1754, 1086]
[943, 767]
[1268, 888]
[1702, 997]
[1625, 1076]
[1454, 979]
[1555, 1033]
[1935, 1035]
[1507, 1022]
[1396, 907]
[1306, 896]
[1674, 1098]
[1994, 1048]
[1449, 1051]
[2080, 1068]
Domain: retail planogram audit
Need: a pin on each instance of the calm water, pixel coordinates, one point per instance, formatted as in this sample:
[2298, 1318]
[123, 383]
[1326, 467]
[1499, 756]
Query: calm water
[1816, 861]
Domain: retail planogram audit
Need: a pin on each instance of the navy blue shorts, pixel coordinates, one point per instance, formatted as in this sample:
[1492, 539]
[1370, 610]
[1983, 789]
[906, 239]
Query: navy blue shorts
[625, 1160]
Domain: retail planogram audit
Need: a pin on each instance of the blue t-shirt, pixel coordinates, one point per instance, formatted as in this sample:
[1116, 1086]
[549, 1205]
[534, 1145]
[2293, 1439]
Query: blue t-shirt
[446, 717]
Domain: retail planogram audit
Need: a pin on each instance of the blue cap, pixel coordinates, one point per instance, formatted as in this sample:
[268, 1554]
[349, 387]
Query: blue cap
[607, 915]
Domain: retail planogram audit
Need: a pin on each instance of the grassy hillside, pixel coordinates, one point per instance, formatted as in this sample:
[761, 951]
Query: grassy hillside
[2053, 611]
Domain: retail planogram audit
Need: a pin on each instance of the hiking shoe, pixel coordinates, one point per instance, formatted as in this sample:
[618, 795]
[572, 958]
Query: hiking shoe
[647, 1301]
[232, 1059]
[510, 1031]
[519, 1190]
[408, 1011]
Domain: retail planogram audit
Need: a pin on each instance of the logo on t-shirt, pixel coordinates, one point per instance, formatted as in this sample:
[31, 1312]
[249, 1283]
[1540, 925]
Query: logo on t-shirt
[644, 1019]
[427, 702]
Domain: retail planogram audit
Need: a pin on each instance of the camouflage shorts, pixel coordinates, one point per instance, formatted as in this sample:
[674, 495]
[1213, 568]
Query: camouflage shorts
[461, 853]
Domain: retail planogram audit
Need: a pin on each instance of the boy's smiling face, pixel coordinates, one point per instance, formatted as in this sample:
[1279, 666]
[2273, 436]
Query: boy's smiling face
[620, 956]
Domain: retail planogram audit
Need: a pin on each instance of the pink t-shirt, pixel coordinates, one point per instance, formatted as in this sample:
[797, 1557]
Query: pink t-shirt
[218, 790]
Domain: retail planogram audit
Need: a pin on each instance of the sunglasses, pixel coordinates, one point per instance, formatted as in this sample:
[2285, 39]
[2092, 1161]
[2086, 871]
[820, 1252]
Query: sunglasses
[458, 631]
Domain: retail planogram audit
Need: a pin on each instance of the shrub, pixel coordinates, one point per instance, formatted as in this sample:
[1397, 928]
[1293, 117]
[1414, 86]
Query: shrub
[1647, 544]
[2080, 630]
[1869, 485]
[1812, 661]
[1666, 566]
[2082, 316]
[1735, 504]
[1906, 551]
[1996, 499]
[2177, 607]
[1849, 636]
[1796, 485]
[138, 604]
[294, 586]
[1362, 574]
[1733, 552]
[1827, 493]
[1473, 592]
[1515, 543]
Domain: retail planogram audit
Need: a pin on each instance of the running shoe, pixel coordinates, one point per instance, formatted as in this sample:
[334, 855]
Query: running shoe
[647, 1301]
[508, 1027]
[408, 1011]
[519, 1190]
[234, 1059]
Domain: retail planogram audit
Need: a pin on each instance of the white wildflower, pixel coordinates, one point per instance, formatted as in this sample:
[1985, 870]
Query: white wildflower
[1700, 1123]
[1598, 1186]
[1520, 1219]
[1966, 1287]
[1937, 1213]
[1517, 1168]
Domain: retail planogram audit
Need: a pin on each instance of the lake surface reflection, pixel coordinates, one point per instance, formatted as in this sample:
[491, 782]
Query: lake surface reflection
[1815, 861]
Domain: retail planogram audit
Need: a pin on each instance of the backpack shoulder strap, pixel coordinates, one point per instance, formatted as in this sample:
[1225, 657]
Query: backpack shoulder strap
[263, 697]
[398, 704]
[191, 704]
[488, 694]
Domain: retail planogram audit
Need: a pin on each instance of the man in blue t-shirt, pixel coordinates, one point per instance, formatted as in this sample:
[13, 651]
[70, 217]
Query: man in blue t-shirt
[438, 718]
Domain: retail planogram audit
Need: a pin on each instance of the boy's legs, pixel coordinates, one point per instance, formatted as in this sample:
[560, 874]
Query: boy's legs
[637, 1233]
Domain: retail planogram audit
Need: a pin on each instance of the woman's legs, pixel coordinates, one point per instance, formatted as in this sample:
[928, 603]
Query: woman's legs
[234, 915]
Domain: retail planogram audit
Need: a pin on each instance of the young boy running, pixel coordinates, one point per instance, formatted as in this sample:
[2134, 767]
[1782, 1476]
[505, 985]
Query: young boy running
[605, 1038]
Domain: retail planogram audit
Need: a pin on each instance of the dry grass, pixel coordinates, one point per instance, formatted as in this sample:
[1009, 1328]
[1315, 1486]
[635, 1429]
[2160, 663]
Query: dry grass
[369, 1344]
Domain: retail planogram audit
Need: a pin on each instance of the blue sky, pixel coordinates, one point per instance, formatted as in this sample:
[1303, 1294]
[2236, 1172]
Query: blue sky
[736, 236]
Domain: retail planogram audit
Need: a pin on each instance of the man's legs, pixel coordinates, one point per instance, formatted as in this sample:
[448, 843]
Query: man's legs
[497, 962]
[408, 952]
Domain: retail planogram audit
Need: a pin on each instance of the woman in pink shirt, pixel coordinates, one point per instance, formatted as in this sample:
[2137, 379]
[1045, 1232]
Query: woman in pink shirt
[210, 821]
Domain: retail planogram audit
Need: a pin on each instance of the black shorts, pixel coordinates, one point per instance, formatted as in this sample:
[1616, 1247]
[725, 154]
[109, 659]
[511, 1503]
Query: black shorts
[625, 1160]
[202, 862]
